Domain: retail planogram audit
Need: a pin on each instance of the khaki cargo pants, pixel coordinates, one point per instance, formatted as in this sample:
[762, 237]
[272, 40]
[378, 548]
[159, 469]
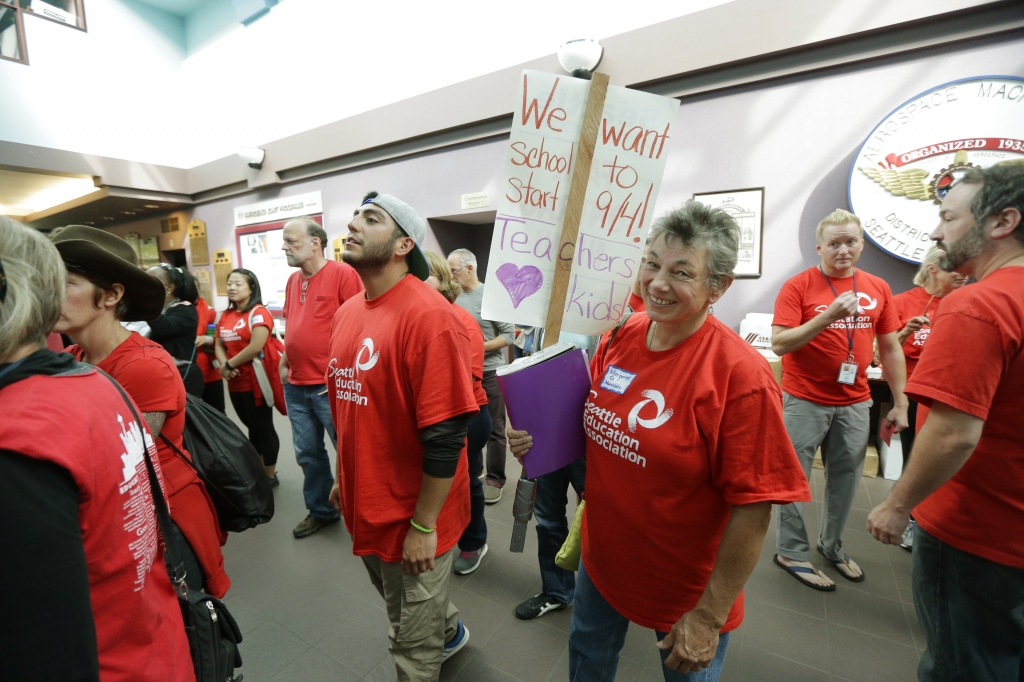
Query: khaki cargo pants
[422, 617]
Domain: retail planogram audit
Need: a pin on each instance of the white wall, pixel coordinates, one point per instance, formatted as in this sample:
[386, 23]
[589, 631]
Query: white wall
[796, 138]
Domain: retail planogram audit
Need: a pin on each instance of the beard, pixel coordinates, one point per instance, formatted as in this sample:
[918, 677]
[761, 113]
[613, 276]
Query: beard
[372, 260]
[969, 246]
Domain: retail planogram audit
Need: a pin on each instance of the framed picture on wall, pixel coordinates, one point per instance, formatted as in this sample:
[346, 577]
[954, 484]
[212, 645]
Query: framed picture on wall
[747, 207]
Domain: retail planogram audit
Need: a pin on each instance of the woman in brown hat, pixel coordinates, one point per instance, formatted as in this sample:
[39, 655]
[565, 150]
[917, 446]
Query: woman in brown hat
[104, 288]
[91, 599]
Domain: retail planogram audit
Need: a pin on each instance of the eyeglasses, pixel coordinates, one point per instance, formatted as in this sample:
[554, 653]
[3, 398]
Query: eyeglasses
[3, 283]
[458, 269]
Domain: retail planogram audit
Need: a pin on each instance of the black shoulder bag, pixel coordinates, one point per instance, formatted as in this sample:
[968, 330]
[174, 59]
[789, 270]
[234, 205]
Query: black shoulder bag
[213, 634]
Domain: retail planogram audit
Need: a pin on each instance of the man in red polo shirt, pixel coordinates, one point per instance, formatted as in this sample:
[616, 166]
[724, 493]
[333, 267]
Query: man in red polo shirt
[401, 399]
[965, 481]
[826, 321]
[313, 294]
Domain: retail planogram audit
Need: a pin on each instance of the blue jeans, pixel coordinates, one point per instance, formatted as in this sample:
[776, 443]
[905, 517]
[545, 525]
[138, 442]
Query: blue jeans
[475, 535]
[552, 527]
[310, 415]
[598, 632]
[971, 611]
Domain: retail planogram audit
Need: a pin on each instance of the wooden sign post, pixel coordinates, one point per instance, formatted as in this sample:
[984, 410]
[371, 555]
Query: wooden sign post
[574, 208]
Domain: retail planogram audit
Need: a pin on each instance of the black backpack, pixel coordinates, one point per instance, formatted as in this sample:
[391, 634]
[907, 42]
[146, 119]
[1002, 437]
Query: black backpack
[229, 466]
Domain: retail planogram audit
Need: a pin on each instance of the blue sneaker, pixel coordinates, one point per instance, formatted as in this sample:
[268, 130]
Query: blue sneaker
[457, 642]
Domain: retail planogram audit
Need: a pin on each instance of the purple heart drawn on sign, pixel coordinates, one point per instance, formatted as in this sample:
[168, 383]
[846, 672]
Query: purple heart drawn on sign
[521, 282]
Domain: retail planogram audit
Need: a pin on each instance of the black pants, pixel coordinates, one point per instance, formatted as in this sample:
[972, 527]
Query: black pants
[213, 394]
[497, 443]
[475, 535]
[259, 419]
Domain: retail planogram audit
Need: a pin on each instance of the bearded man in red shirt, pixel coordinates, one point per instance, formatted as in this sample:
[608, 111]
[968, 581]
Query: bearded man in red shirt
[826, 320]
[965, 481]
[401, 400]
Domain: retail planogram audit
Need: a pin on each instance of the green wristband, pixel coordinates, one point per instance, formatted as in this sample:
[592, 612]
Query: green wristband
[420, 528]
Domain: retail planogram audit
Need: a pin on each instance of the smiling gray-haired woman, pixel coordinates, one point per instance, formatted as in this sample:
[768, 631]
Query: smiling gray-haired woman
[686, 417]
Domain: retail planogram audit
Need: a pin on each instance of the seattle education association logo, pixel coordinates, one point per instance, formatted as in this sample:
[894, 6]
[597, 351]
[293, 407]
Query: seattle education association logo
[908, 162]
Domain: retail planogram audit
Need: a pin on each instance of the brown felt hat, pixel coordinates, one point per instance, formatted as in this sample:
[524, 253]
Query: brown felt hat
[112, 258]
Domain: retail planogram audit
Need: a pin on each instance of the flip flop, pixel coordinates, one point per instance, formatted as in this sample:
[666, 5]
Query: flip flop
[845, 562]
[794, 570]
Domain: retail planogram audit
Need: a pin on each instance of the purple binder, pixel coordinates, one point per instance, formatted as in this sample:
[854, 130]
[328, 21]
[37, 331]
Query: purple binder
[547, 400]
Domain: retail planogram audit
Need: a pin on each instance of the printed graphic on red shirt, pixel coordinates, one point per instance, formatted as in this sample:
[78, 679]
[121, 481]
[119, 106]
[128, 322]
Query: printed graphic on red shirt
[139, 519]
[690, 431]
[973, 363]
[397, 365]
[812, 372]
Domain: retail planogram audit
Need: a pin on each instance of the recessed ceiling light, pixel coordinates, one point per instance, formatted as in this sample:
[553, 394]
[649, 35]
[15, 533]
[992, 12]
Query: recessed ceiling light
[108, 217]
[150, 206]
[128, 212]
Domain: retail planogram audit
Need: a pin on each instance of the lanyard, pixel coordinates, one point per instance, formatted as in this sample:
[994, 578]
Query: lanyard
[928, 305]
[846, 325]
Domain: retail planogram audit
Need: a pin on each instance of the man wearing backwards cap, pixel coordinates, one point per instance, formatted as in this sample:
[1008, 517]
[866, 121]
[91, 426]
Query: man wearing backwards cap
[401, 400]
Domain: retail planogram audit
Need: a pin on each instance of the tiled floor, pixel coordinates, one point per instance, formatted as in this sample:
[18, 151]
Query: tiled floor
[308, 611]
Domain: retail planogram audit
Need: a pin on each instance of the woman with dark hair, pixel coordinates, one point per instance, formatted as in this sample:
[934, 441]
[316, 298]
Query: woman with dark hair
[175, 328]
[241, 334]
[80, 537]
[104, 288]
[206, 335]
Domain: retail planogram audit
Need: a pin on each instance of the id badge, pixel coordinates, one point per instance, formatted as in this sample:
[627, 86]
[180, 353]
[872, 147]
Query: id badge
[848, 373]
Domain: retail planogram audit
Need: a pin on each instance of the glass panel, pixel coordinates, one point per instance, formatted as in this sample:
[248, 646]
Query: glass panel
[63, 11]
[10, 34]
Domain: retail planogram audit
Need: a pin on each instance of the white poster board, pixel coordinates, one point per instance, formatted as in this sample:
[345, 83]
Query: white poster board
[625, 177]
[261, 252]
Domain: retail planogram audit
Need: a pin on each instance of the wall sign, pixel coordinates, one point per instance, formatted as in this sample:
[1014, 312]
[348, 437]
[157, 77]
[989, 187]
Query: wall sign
[476, 200]
[907, 163]
[281, 208]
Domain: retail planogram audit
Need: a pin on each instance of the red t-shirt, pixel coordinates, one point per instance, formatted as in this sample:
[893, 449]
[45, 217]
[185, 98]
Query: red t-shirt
[973, 363]
[396, 366]
[674, 439]
[205, 356]
[637, 303]
[234, 332]
[148, 374]
[476, 353]
[140, 636]
[915, 303]
[812, 372]
[309, 318]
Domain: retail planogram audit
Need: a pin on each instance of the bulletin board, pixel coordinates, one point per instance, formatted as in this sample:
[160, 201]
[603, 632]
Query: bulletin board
[259, 250]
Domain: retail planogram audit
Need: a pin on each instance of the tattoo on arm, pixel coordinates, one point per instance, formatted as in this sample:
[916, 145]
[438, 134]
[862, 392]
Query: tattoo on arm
[155, 420]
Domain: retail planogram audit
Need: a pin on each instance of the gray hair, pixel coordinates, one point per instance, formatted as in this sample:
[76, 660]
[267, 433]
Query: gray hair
[313, 229]
[1002, 187]
[35, 286]
[697, 225]
[465, 256]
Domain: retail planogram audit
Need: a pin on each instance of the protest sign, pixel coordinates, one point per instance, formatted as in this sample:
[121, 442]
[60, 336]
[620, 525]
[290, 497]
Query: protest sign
[614, 214]
[541, 157]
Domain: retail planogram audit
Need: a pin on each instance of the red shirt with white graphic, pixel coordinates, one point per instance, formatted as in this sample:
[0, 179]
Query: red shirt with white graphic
[674, 439]
[309, 307]
[812, 372]
[475, 340]
[148, 374]
[973, 363]
[140, 636]
[234, 333]
[915, 303]
[397, 366]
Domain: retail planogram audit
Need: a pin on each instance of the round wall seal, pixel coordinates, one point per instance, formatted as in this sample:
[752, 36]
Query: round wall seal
[908, 162]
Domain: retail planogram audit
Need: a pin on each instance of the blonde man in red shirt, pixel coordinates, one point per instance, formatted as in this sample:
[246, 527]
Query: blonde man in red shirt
[965, 481]
[401, 399]
[826, 320]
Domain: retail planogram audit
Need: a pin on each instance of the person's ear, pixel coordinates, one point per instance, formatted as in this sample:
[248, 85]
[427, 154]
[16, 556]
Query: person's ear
[715, 295]
[1006, 222]
[403, 246]
[113, 295]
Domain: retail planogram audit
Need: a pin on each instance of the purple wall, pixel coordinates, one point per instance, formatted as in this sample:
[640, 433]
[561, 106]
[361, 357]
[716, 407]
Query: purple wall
[795, 137]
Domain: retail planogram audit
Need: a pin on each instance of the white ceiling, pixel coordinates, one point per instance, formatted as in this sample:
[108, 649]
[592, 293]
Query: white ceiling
[124, 90]
[22, 194]
[181, 8]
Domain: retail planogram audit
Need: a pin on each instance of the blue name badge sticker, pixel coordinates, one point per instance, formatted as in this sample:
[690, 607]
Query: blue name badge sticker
[617, 380]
